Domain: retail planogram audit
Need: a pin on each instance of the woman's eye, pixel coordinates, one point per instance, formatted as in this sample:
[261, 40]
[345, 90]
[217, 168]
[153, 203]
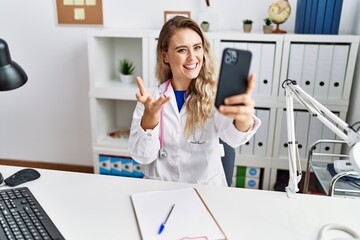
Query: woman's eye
[198, 47]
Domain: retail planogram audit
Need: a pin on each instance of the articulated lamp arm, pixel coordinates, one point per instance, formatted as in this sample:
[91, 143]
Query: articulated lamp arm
[332, 121]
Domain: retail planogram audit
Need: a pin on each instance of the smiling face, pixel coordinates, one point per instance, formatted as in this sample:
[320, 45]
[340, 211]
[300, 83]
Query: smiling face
[185, 56]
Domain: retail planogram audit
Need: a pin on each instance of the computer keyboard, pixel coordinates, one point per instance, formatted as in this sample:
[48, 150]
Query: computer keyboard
[22, 217]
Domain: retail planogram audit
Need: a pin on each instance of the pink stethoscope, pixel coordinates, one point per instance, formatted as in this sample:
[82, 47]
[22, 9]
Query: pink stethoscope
[162, 152]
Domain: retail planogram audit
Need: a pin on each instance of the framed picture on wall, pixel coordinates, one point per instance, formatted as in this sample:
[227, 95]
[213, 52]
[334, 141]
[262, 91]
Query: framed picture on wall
[170, 14]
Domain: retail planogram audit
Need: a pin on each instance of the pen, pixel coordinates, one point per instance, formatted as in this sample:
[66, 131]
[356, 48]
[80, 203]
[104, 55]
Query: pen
[162, 226]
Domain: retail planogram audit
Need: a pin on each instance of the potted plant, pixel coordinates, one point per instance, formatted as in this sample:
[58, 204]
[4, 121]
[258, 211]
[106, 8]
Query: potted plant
[247, 25]
[126, 69]
[267, 28]
[205, 26]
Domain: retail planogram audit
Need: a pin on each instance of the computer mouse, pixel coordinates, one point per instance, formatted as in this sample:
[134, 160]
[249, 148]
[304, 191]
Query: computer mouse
[22, 176]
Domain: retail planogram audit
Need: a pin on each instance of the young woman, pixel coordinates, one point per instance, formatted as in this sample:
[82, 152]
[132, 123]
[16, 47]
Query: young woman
[175, 130]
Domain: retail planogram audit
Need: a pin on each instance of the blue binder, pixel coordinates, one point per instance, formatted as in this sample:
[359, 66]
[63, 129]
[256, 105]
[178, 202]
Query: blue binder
[313, 16]
[320, 17]
[328, 18]
[307, 16]
[336, 17]
[300, 16]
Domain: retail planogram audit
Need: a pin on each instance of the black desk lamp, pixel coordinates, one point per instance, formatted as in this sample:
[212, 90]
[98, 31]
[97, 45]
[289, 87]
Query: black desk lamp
[11, 74]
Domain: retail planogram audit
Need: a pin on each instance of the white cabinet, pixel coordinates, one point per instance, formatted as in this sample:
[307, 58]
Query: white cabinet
[323, 66]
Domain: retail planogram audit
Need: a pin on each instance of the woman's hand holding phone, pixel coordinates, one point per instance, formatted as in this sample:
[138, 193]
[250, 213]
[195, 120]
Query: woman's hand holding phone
[241, 107]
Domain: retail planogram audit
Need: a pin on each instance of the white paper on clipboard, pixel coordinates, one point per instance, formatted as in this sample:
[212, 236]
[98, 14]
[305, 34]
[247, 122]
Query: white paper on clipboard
[189, 219]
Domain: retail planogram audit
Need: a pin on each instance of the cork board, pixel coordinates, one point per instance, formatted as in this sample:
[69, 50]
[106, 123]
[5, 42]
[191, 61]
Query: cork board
[79, 12]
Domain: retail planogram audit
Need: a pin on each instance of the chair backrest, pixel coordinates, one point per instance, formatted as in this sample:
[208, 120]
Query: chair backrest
[228, 162]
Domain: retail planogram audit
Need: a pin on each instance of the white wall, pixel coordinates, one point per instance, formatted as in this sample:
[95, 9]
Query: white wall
[48, 119]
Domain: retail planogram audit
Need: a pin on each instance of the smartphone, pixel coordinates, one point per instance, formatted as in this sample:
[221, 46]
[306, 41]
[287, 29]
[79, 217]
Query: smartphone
[234, 73]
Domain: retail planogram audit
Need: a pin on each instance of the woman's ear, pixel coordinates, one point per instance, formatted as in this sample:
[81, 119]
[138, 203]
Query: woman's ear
[164, 56]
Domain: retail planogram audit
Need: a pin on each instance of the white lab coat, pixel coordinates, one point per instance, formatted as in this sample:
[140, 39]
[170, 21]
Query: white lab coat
[185, 161]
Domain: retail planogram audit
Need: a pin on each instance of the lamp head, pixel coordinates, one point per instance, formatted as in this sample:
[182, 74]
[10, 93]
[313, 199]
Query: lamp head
[355, 156]
[12, 75]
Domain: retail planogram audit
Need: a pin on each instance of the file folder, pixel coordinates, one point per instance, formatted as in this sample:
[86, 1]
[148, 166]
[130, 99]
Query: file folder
[336, 17]
[116, 166]
[338, 71]
[324, 63]
[260, 145]
[308, 14]
[296, 61]
[309, 68]
[302, 120]
[300, 16]
[127, 167]
[265, 81]
[328, 16]
[255, 49]
[320, 17]
[104, 164]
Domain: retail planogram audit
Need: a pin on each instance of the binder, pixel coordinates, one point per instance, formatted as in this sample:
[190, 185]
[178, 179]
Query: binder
[137, 171]
[247, 182]
[248, 147]
[338, 71]
[319, 24]
[241, 45]
[315, 132]
[336, 17]
[283, 151]
[190, 218]
[313, 15]
[127, 167]
[302, 120]
[323, 71]
[309, 68]
[116, 166]
[327, 134]
[267, 68]
[328, 17]
[104, 164]
[300, 16]
[308, 16]
[296, 61]
[260, 145]
[255, 49]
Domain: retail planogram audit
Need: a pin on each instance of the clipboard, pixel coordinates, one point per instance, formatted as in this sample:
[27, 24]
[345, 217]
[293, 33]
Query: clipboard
[190, 219]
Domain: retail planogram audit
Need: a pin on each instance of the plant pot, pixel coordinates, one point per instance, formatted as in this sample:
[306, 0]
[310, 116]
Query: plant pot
[128, 79]
[205, 26]
[267, 29]
[247, 27]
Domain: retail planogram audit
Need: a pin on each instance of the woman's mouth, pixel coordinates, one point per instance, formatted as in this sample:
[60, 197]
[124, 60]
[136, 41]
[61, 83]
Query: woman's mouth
[191, 66]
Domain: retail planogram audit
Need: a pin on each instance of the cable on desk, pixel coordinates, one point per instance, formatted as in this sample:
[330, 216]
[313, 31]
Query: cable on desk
[343, 228]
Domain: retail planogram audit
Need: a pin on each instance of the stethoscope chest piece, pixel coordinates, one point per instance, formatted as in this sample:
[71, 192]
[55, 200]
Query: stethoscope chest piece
[162, 153]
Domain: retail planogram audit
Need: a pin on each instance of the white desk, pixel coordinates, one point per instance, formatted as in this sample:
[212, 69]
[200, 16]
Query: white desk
[89, 206]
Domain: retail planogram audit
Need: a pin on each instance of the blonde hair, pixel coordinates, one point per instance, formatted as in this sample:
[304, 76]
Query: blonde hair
[201, 91]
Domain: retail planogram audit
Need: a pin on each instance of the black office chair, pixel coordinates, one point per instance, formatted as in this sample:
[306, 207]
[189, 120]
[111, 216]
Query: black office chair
[228, 162]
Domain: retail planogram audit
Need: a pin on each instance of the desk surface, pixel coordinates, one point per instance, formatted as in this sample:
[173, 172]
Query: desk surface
[90, 206]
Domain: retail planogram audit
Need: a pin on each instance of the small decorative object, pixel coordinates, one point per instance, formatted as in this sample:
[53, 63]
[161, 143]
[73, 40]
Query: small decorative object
[205, 26]
[267, 28]
[279, 12]
[127, 69]
[247, 25]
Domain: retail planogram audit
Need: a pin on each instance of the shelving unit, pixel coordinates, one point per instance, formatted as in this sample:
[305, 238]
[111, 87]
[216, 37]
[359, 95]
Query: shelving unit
[274, 60]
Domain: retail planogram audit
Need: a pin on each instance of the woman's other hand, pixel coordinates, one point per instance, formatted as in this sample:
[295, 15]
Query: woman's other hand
[152, 107]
